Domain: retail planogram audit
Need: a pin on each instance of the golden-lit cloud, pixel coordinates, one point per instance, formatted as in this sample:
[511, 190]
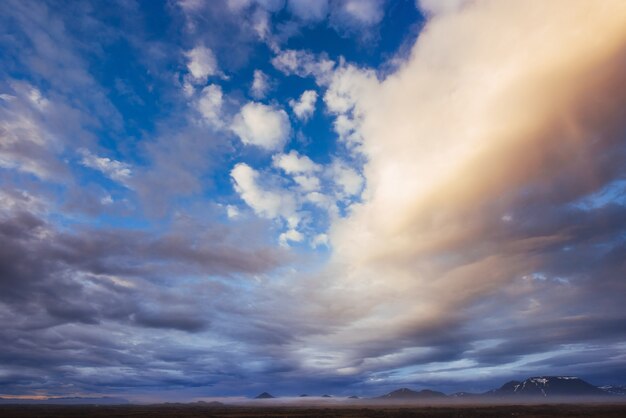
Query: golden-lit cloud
[501, 105]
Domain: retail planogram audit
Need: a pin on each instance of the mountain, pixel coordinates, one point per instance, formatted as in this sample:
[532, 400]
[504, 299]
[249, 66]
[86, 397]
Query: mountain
[614, 390]
[405, 393]
[548, 386]
[264, 395]
[464, 395]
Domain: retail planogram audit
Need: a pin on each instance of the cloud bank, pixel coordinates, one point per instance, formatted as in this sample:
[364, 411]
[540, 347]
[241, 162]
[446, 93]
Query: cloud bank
[477, 149]
[229, 212]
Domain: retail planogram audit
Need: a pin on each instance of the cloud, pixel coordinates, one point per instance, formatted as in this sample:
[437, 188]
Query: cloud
[308, 183]
[438, 7]
[232, 212]
[313, 11]
[348, 181]
[471, 216]
[201, 64]
[360, 17]
[210, 105]
[305, 107]
[361, 12]
[290, 235]
[468, 130]
[28, 144]
[264, 126]
[260, 85]
[267, 203]
[348, 86]
[301, 168]
[115, 170]
[294, 163]
[304, 64]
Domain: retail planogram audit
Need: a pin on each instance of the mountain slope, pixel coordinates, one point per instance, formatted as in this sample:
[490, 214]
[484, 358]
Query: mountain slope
[405, 393]
[546, 386]
[264, 395]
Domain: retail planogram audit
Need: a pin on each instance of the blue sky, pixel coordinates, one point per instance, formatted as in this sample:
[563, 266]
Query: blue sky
[219, 198]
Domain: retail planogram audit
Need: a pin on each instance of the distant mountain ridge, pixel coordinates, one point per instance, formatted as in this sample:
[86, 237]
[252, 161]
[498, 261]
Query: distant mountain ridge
[549, 386]
[539, 387]
[405, 393]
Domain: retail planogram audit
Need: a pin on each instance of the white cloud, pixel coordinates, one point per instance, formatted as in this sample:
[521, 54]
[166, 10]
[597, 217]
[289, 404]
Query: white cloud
[239, 5]
[106, 200]
[232, 211]
[308, 183]
[348, 181]
[191, 5]
[201, 64]
[266, 202]
[439, 7]
[210, 105]
[365, 12]
[305, 107]
[359, 16]
[487, 101]
[350, 85]
[319, 240]
[304, 64]
[313, 11]
[188, 89]
[115, 170]
[260, 85]
[261, 23]
[290, 235]
[262, 125]
[293, 163]
[36, 98]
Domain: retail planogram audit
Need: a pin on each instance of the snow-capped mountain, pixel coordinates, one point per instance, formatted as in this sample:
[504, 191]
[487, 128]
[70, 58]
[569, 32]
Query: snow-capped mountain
[546, 386]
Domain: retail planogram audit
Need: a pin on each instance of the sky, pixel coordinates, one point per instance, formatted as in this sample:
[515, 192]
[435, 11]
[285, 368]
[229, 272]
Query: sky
[218, 198]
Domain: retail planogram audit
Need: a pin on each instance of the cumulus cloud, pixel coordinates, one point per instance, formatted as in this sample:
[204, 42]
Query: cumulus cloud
[348, 86]
[313, 11]
[357, 16]
[209, 105]
[304, 64]
[305, 106]
[348, 181]
[308, 183]
[265, 202]
[302, 169]
[290, 235]
[264, 126]
[294, 163]
[201, 64]
[260, 85]
[363, 12]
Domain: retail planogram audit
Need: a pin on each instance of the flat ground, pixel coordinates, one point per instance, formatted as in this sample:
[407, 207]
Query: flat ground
[184, 411]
